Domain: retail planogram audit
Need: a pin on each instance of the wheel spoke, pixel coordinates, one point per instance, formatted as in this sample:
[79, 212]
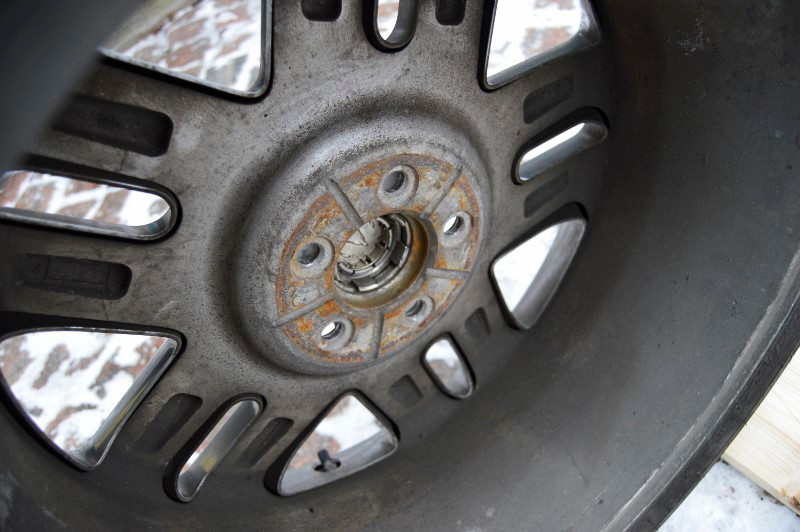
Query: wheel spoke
[151, 298]
[192, 132]
[519, 207]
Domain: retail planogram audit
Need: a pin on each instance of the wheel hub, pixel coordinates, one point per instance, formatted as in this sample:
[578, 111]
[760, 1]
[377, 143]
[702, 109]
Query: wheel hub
[374, 254]
[369, 256]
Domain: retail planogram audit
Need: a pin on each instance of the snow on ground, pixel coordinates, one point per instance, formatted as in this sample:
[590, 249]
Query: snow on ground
[52, 194]
[445, 362]
[347, 424]
[549, 144]
[350, 424]
[516, 270]
[387, 16]
[212, 40]
[69, 381]
[726, 501]
[524, 28]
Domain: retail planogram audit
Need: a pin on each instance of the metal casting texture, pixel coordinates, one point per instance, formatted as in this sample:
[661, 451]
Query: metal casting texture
[443, 188]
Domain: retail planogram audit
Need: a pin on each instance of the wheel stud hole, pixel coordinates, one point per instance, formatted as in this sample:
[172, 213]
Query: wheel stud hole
[394, 181]
[456, 229]
[311, 257]
[416, 310]
[336, 334]
[453, 225]
[398, 186]
[331, 330]
[308, 254]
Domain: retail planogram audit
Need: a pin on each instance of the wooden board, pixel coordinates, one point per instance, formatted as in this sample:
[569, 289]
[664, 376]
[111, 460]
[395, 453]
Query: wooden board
[767, 450]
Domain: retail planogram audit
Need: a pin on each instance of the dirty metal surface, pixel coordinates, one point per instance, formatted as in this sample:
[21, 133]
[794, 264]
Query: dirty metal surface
[435, 270]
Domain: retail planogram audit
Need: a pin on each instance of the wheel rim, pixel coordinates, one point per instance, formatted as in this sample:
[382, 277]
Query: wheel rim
[223, 358]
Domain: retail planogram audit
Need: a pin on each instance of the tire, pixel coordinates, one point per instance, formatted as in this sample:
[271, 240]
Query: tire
[676, 316]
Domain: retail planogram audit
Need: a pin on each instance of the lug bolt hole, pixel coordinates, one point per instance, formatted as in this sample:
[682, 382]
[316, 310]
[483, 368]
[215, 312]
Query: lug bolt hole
[456, 229]
[453, 225]
[311, 257]
[418, 311]
[331, 330]
[398, 186]
[336, 334]
[394, 181]
[308, 254]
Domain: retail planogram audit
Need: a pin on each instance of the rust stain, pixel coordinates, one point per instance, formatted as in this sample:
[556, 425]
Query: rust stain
[371, 181]
[399, 310]
[441, 262]
[325, 218]
[331, 307]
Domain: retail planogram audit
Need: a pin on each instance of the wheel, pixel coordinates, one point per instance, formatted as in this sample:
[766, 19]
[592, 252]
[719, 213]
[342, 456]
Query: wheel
[339, 236]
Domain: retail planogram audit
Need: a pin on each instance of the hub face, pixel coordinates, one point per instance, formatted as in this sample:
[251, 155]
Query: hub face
[356, 259]
[394, 266]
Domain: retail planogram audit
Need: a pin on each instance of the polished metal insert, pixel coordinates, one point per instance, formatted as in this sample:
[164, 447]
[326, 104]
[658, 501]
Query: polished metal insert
[527, 33]
[349, 438]
[390, 24]
[448, 368]
[387, 16]
[219, 440]
[558, 148]
[76, 204]
[79, 387]
[528, 275]
[224, 45]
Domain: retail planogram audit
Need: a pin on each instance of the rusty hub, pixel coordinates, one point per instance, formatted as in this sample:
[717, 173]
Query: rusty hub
[377, 258]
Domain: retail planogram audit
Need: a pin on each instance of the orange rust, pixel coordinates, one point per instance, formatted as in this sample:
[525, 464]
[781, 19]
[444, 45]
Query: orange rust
[325, 218]
[331, 307]
[370, 174]
[370, 182]
[441, 262]
[462, 203]
[296, 332]
[285, 281]
[396, 331]
[359, 322]
[398, 311]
